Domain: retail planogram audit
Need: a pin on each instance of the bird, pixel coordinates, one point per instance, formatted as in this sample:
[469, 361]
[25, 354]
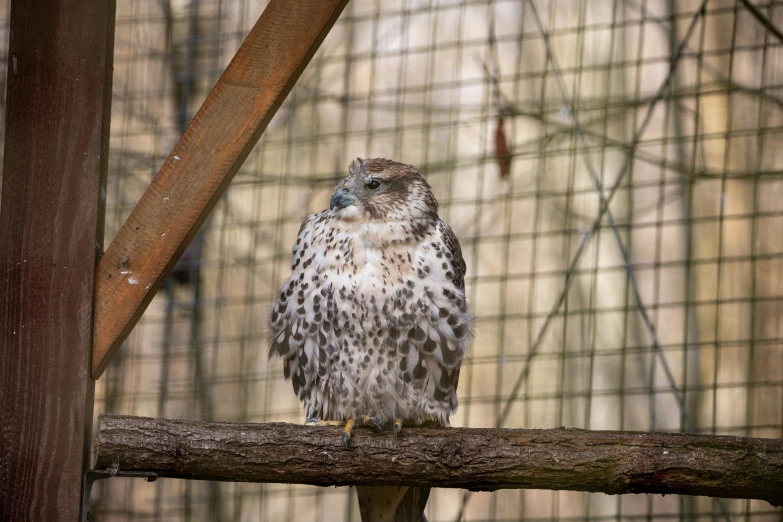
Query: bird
[373, 323]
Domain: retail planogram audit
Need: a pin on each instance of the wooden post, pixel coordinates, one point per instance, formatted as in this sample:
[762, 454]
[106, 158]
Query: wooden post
[56, 143]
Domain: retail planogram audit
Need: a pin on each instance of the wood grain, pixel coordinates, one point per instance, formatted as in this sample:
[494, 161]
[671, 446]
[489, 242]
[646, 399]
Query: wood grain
[203, 163]
[56, 142]
[475, 459]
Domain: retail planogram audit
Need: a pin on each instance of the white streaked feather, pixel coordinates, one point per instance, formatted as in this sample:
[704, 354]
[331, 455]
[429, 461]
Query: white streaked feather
[360, 271]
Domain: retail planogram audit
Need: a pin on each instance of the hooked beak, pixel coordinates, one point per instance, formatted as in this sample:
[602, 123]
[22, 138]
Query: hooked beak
[341, 199]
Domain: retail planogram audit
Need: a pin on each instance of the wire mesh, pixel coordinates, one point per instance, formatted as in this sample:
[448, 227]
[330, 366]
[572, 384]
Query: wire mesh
[610, 168]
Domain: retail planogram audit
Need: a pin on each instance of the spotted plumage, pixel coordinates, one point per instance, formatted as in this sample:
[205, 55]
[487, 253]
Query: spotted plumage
[373, 320]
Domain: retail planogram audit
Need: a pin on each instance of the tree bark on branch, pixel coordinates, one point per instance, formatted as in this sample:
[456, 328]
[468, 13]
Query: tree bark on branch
[476, 459]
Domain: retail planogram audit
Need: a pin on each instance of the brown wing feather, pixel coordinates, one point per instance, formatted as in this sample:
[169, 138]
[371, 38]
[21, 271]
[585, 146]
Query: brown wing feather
[443, 344]
[452, 244]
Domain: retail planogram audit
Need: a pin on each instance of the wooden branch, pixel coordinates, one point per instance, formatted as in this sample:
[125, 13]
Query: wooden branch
[476, 459]
[58, 103]
[203, 163]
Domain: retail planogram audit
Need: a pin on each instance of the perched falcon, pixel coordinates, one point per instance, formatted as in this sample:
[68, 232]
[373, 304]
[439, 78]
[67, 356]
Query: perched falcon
[373, 324]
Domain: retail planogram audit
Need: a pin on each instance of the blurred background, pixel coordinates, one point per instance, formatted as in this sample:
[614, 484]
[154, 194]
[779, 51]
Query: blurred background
[614, 173]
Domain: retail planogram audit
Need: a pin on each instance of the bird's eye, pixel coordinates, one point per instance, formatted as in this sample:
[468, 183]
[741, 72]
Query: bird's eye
[373, 184]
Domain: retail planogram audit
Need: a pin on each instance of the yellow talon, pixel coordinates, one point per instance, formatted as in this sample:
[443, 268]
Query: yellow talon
[347, 432]
[397, 427]
[372, 422]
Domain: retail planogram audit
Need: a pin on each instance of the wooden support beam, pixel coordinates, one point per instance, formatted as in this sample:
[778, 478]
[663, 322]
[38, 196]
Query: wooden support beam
[475, 459]
[58, 104]
[202, 164]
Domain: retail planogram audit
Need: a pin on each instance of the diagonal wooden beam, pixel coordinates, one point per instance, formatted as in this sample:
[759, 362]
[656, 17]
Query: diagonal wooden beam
[202, 164]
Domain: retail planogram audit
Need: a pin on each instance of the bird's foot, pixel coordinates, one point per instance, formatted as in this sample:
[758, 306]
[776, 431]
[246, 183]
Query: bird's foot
[351, 424]
[347, 431]
[372, 422]
[397, 427]
[315, 421]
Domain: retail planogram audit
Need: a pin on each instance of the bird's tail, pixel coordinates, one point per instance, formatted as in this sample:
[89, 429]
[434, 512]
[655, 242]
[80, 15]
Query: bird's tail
[392, 503]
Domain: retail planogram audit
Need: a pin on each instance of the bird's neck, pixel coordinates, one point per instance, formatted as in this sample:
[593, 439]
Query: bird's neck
[376, 234]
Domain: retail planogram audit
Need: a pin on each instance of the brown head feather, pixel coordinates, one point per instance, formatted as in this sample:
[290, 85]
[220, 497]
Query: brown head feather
[402, 192]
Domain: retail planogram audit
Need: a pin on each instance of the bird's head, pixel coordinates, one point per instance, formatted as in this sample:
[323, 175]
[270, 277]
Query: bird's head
[381, 189]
